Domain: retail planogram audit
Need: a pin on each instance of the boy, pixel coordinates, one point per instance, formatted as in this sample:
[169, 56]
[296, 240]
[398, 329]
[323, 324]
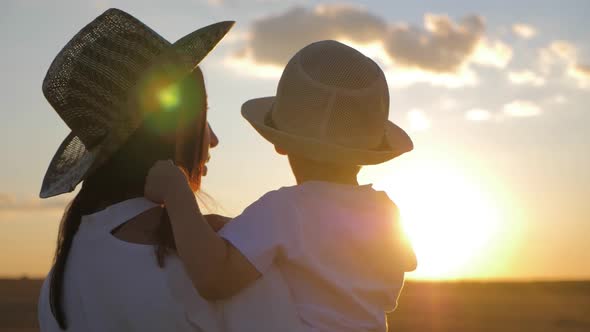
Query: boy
[338, 245]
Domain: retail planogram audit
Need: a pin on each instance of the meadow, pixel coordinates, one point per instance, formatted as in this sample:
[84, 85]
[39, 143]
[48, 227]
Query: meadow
[423, 306]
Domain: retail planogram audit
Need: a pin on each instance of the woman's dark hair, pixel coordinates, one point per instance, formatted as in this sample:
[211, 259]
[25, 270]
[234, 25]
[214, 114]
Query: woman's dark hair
[123, 176]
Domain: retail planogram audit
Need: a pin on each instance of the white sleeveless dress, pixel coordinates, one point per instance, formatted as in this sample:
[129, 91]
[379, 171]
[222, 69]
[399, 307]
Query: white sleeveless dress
[112, 285]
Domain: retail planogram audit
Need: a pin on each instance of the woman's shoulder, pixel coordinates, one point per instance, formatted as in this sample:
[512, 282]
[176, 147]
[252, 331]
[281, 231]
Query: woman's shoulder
[140, 229]
[114, 250]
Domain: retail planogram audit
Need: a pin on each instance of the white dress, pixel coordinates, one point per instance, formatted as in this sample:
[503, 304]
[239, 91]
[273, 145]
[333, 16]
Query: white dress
[112, 285]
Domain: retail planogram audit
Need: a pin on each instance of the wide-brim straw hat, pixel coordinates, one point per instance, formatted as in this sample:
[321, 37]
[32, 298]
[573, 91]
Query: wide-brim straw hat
[91, 80]
[331, 105]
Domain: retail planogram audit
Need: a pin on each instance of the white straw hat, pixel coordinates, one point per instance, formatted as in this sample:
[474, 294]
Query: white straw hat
[332, 104]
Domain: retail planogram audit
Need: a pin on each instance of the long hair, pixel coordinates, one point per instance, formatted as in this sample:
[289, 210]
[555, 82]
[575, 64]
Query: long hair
[123, 176]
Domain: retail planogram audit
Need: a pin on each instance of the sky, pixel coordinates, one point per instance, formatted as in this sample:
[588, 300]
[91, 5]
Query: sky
[493, 93]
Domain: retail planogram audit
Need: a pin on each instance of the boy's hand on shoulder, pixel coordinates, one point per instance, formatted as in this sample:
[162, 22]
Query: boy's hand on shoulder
[163, 180]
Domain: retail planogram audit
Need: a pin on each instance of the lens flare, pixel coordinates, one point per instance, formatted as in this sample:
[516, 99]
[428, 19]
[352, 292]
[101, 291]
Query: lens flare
[169, 98]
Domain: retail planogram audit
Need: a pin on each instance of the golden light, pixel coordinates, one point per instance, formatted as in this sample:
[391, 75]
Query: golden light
[448, 216]
[169, 98]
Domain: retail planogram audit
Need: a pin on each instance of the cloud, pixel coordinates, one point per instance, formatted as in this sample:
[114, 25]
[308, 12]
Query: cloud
[276, 38]
[478, 115]
[564, 50]
[521, 108]
[563, 55]
[441, 52]
[525, 77]
[524, 31]
[492, 54]
[443, 46]
[583, 69]
[581, 73]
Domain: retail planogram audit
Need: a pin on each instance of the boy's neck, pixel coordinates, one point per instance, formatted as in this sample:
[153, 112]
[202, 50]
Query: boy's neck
[309, 170]
[350, 180]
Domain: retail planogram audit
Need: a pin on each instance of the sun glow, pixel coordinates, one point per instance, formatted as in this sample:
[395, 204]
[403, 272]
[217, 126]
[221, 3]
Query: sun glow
[169, 97]
[449, 217]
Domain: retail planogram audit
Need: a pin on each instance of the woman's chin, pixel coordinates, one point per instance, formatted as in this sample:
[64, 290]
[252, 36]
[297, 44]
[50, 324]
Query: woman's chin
[204, 172]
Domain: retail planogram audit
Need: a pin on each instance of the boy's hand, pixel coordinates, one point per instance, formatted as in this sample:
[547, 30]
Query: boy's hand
[163, 180]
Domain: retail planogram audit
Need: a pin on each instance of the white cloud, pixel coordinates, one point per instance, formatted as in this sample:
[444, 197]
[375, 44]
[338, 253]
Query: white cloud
[524, 31]
[276, 38]
[564, 50]
[478, 115]
[564, 55]
[442, 46]
[439, 53]
[492, 53]
[581, 73]
[418, 120]
[525, 77]
[521, 108]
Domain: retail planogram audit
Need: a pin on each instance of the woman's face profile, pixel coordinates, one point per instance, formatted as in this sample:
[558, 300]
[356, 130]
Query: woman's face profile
[194, 136]
[210, 140]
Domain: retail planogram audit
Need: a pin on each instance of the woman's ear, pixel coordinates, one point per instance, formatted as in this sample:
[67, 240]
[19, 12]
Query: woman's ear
[280, 151]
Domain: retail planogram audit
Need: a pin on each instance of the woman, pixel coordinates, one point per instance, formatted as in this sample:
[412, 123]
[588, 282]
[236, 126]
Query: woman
[105, 85]
[130, 98]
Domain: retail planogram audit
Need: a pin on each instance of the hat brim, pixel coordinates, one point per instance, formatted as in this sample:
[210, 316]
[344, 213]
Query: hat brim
[397, 140]
[67, 167]
[62, 177]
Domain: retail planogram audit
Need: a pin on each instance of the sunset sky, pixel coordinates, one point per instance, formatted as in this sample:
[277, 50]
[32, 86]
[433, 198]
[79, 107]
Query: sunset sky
[495, 95]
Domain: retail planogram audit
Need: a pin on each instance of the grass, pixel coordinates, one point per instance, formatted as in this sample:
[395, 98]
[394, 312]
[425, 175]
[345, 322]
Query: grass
[423, 306]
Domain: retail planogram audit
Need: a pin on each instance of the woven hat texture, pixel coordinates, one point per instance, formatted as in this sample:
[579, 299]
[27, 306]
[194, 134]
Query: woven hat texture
[332, 104]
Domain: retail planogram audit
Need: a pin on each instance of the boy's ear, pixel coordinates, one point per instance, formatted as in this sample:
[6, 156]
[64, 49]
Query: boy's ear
[280, 151]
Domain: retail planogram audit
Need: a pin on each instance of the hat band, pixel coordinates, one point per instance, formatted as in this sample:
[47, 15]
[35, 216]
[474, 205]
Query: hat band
[383, 146]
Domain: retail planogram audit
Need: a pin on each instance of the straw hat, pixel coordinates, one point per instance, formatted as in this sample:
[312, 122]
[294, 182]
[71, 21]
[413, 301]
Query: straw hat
[332, 104]
[92, 78]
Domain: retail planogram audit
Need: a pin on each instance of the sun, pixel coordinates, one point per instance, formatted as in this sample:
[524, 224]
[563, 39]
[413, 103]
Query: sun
[449, 217]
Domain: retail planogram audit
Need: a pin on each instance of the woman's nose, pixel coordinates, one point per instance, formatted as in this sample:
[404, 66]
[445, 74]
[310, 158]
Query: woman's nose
[214, 140]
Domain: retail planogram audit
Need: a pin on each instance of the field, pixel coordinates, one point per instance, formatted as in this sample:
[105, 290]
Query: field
[457, 307]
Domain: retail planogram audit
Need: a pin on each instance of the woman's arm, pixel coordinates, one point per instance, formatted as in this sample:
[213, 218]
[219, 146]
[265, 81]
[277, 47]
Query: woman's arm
[217, 269]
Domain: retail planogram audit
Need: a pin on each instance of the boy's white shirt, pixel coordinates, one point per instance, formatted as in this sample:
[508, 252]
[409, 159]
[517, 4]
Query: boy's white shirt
[339, 248]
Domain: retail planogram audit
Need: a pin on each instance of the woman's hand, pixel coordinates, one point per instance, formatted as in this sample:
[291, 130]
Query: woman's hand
[163, 180]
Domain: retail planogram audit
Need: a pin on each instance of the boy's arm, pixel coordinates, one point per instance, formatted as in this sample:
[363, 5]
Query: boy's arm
[216, 268]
